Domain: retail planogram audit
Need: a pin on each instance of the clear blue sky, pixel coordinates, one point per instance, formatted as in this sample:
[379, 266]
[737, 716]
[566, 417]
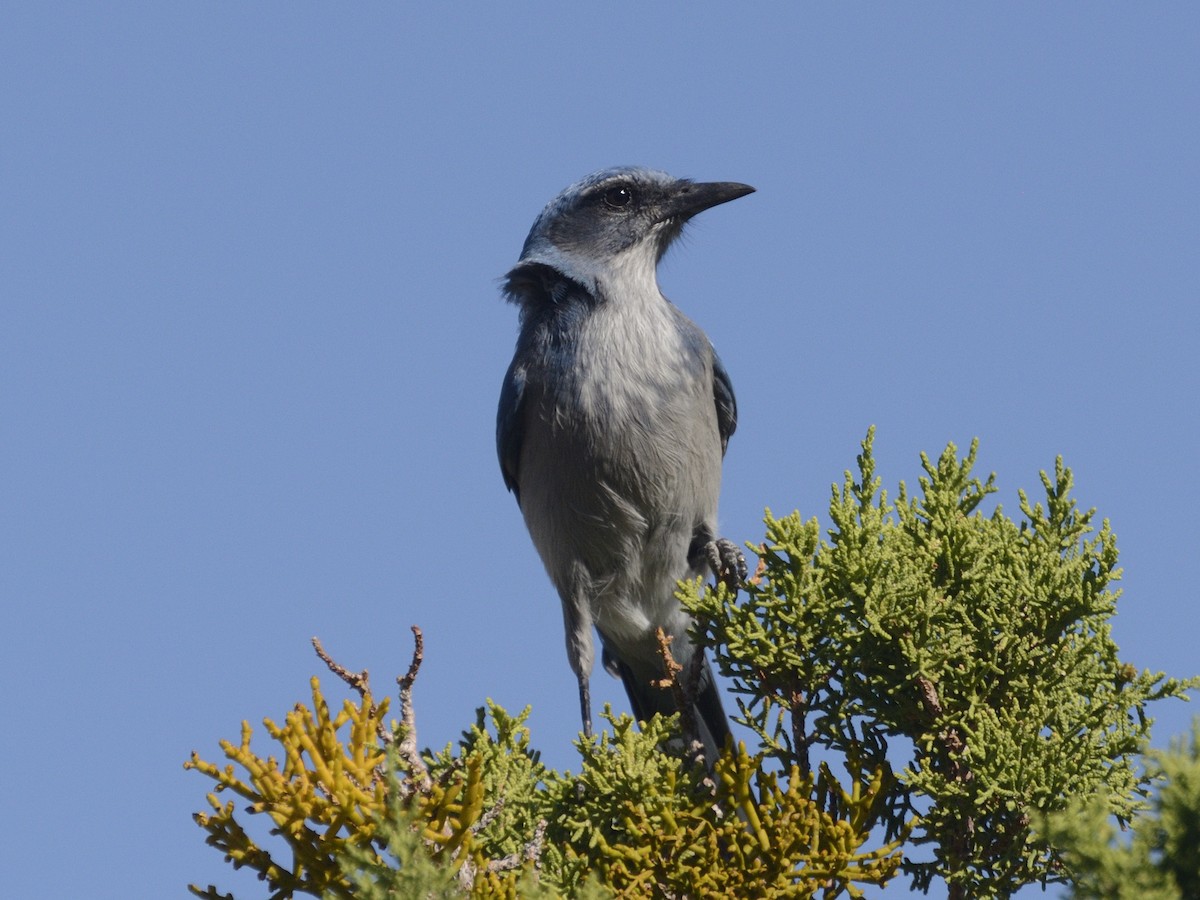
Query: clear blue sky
[251, 338]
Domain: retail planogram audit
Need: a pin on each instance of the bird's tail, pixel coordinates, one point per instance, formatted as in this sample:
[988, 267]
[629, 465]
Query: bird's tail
[647, 698]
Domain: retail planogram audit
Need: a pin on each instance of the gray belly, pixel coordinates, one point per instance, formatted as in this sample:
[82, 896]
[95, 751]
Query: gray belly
[612, 502]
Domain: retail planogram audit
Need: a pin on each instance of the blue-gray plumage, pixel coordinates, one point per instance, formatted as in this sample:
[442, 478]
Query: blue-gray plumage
[613, 421]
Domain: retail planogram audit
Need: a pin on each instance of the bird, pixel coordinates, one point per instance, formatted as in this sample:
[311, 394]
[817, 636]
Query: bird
[613, 421]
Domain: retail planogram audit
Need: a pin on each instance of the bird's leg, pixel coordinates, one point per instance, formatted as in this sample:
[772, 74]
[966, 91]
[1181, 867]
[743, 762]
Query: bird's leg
[585, 705]
[727, 563]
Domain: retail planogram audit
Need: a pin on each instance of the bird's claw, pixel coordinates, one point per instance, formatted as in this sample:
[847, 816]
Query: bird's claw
[727, 563]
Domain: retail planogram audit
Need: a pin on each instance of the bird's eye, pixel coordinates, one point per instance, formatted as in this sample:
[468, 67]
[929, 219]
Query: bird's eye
[619, 197]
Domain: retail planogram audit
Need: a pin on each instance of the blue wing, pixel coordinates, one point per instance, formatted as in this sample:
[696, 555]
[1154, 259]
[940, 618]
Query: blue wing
[510, 426]
[726, 402]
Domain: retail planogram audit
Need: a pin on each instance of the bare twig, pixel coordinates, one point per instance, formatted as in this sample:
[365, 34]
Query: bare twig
[489, 816]
[407, 745]
[406, 681]
[761, 568]
[670, 668]
[929, 697]
[359, 681]
[953, 744]
[466, 876]
[952, 739]
[531, 851]
[361, 684]
[682, 689]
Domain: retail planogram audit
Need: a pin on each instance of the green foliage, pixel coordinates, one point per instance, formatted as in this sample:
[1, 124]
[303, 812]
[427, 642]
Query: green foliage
[503, 840]
[923, 679]
[401, 867]
[1177, 808]
[970, 651]
[649, 825]
[513, 778]
[1161, 860]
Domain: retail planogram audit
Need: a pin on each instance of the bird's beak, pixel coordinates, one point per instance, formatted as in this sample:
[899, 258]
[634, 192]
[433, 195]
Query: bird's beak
[692, 197]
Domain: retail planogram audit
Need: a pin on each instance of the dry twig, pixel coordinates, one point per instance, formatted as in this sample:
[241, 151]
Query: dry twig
[407, 745]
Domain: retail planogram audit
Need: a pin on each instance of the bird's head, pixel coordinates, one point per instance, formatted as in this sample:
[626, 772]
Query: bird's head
[619, 220]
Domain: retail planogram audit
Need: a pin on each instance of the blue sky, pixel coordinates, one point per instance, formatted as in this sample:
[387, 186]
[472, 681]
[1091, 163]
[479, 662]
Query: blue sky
[251, 338]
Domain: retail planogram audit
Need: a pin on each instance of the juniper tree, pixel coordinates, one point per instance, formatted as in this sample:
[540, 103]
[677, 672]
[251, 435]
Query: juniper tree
[967, 652]
[929, 683]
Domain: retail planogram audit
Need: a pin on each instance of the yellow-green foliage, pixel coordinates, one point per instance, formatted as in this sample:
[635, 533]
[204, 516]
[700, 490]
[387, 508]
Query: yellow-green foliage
[328, 798]
[636, 822]
[328, 792]
[652, 827]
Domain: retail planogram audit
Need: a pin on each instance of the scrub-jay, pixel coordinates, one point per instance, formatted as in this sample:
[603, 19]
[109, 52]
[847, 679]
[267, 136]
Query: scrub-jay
[614, 416]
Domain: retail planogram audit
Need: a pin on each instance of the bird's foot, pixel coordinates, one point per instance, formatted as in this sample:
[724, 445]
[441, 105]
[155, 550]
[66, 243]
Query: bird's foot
[727, 563]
